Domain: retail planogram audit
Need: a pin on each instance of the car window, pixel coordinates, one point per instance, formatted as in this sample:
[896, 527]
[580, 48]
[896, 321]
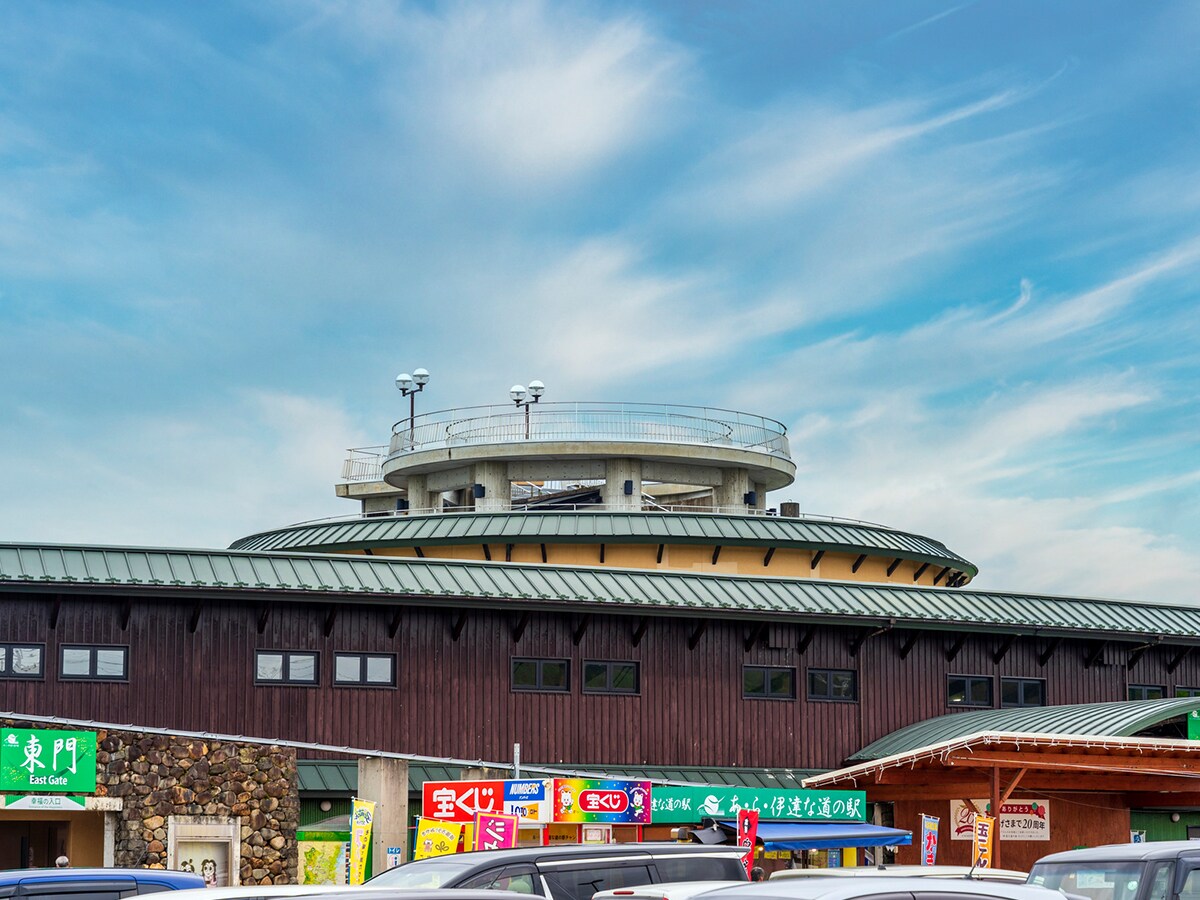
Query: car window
[1097, 880]
[1159, 887]
[53, 892]
[484, 881]
[689, 867]
[580, 884]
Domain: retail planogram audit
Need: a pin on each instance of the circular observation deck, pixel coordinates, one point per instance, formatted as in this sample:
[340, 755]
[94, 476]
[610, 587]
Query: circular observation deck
[739, 455]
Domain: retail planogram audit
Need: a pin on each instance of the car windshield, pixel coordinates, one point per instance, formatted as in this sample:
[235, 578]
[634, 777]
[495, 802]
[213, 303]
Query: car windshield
[423, 874]
[1097, 880]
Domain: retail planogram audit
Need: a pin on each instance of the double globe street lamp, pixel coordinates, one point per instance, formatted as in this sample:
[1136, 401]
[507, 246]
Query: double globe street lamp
[522, 397]
[409, 386]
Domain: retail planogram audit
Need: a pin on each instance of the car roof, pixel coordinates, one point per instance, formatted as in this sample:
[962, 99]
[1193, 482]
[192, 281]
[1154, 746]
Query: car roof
[428, 894]
[1125, 852]
[905, 871]
[674, 889]
[161, 876]
[573, 851]
[851, 888]
[251, 891]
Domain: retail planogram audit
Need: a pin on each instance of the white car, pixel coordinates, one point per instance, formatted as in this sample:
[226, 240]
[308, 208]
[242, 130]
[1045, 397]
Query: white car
[666, 890]
[1010, 876]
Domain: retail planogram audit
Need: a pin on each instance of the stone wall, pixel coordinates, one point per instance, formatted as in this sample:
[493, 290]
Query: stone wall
[157, 776]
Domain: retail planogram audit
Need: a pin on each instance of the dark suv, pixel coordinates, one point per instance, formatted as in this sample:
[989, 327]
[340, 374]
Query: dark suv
[568, 871]
[1162, 870]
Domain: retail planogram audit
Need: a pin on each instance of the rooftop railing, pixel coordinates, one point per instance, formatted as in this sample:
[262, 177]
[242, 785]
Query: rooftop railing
[623, 422]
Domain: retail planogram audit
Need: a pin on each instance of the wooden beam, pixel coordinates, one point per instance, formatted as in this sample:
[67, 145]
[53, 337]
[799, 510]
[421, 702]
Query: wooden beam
[601, 554]
[543, 552]
[1177, 659]
[806, 639]
[1012, 786]
[755, 636]
[367, 551]
[394, 625]
[658, 558]
[194, 618]
[956, 647]
[460, 623]
[767, 556]
[263, 615]
[1002, 650]
[55, 609]
[920, 571]
[940, 575]
[1045, 655]
[420, 552]
[697, 633]
[1136, 654]
[519, 628]
[933, 788]
[126, 612]
[487, 552]
[816, 560]
[716, 554]
[508, 552]
[862, 558]
[330, 619]
[893, 566]
[862, 637]
[1093, 657]
[581, 629]
[907, 646]
[1085, 761]
[640, 631]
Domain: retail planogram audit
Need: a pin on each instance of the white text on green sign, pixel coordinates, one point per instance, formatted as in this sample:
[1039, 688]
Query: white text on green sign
[35, 759]
[693, 804]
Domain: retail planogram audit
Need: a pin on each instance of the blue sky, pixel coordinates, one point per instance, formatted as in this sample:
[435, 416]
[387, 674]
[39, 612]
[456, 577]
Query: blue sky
[954, 246]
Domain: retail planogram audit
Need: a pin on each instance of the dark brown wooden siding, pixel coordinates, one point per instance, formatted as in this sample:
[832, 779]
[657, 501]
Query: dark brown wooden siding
[454, 697]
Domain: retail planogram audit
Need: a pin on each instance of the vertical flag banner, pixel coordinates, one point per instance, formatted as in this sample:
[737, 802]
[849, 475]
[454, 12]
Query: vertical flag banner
[494, 831]
[361, 815]
[985, 827]
[929, 840]
[436, 838]
[747, 829]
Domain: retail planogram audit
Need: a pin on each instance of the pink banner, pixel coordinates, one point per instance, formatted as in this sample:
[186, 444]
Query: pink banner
[495, 831]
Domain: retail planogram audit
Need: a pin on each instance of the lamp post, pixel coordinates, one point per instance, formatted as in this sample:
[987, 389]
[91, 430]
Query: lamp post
[409, 386]
[521, 397]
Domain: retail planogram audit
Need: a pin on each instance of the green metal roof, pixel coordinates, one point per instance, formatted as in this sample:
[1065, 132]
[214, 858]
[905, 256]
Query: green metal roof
[605, 527]
[364, 579]
[340, 777]
[1117, 719]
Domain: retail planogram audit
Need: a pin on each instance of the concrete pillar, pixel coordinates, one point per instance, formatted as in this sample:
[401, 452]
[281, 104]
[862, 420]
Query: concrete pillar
[730, 494]
[760, 495]
[497, 494]
[385, 783]
[420, 498]
[616, 473]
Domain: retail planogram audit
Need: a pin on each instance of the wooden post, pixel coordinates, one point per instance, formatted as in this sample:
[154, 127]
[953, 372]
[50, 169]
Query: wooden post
[996, 817]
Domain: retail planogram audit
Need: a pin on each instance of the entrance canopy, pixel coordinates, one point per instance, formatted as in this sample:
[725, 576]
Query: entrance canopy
[822, 835]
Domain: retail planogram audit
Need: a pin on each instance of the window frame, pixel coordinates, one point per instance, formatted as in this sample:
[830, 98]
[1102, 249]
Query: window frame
[609, 665]
[1188, 691]
[91, 674]
[968, 679]
[286, 679]
[767, 671]
[1161, 688]
[1021, 681]
[7, 647]
[540, 687]
[828, 697]
[362, 657]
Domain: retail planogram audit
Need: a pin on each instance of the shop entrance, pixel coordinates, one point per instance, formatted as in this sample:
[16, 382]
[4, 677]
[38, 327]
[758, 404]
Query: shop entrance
[31, 839]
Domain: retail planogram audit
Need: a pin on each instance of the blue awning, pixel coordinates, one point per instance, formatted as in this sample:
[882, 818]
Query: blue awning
[824, 835]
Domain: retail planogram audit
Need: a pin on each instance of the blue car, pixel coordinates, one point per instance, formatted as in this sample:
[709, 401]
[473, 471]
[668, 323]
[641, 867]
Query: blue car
[92, 884]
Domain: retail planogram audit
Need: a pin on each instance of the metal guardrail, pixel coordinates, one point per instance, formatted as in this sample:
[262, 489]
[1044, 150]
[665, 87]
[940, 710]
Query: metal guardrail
[633, 422]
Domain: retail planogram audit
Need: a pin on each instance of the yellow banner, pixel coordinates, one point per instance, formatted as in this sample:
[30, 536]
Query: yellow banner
[985, 834]
[436, 838]
[361, 816]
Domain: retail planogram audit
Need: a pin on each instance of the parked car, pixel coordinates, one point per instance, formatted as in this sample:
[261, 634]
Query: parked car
[1011, 876]
[92, 884]
[667, 890]
[1163, 870]
[881, 887]
[273, 891]
[568, 871]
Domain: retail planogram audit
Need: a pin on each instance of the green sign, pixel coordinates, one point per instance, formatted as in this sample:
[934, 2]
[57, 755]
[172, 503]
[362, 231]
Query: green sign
[686, 805]
[36, 759]
[1194, 725]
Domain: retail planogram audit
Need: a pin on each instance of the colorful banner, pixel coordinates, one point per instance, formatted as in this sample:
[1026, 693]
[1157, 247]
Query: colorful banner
[436, 838]
[588, 800]
[461, 801]
[495, 832]
[985, 827]
[691, 805]
[747, 831]
[1020, 820]
[361, 815]
[929, 840]
[46, 759]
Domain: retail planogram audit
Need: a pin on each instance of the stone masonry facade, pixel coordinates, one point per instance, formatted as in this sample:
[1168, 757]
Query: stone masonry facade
[157, 776]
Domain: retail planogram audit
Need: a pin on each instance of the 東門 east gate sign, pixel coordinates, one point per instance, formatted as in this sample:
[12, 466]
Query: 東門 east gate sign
[33, 760]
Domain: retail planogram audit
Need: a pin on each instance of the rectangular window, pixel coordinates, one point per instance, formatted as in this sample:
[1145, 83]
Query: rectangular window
[368, 669]
[22, 660]
[770, 682]
[1181, 691]
[840, 685]
[541, 675]
[601, 677]
[94, 663]
[1022, 692]
[969, 690]
[285, 667]
[1147, 692]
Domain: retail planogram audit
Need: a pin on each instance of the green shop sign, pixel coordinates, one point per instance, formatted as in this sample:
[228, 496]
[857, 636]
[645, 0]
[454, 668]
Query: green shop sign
[687, 805]
[34, 759]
